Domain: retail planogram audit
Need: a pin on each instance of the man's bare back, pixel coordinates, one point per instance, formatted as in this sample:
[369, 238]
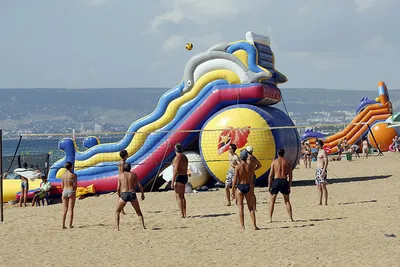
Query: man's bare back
[181, 164]
[280, 168]
[128, 182]
[278, 182]
[243, 173]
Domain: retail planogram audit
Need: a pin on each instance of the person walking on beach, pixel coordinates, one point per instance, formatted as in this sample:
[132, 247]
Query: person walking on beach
[233, 162]
[69, 183]
[124, 156]
[127, 182]
[243, 180]
[180, 178]
[321, 172]
[365, 148]
[255, 165]
[307, 154]
[279, 173]
[24, 187]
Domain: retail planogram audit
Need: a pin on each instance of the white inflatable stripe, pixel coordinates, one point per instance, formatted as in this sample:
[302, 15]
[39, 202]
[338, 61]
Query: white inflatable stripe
[258, 38]
[218, 64]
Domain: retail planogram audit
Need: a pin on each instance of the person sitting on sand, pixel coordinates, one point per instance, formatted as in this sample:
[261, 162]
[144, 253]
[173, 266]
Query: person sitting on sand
[280, 171]
[180, 178]
[243, 180]
[255, 165]
[124, 156]
[45, 187]
[69, 183]
[233, 162]
[127, 182]
[321, 172]
[24, 188]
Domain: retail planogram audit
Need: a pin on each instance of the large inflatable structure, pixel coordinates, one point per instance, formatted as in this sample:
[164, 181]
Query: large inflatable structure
[225, 98]
[369, 123]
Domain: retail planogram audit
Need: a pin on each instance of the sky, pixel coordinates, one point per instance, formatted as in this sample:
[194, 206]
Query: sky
[341, 44]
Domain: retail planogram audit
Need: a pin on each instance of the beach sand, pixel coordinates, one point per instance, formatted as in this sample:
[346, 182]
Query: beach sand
[363, 208]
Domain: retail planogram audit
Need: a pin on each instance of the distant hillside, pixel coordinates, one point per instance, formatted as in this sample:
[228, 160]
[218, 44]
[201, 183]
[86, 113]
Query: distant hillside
[60, 110]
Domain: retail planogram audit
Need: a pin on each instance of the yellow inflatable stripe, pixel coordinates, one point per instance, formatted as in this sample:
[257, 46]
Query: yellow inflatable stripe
[243, 56]
[168, 116]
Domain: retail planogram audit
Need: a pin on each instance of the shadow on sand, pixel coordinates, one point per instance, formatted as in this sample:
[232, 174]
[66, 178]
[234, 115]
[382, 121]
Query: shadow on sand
[358, 202]
[212, 215]
[342, 180]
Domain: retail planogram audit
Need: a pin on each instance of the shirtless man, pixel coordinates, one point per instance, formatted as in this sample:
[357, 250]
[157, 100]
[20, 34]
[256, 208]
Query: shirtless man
[69, 183]
[180, 178]
[127, 183]
[24, 188]
[255, 165]
[243, 181]
[233, 162]
[278, 182]
[321, 172]
[124, 156]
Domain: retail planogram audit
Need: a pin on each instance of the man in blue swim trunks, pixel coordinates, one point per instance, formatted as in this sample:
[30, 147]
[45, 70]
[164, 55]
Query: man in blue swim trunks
[127, 182]
[279, 173]
[242, 181]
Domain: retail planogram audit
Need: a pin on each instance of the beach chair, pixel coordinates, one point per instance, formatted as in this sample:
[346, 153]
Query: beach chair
[46, 197]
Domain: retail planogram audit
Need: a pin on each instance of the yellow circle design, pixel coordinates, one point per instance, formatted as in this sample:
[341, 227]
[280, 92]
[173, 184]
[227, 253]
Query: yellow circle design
[259, 136]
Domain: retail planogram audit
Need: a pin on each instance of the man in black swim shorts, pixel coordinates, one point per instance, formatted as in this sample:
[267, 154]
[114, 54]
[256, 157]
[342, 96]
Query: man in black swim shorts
[180, 178]
[277, 182]
[127, 182]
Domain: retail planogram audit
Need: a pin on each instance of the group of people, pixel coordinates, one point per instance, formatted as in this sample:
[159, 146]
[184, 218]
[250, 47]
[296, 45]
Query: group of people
[240, 177]
[39, 194]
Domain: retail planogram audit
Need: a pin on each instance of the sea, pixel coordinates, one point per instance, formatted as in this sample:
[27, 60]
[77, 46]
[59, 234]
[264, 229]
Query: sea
[29, 147]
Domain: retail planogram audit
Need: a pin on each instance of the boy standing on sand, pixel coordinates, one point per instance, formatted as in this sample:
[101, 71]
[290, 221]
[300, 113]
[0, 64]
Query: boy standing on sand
[279, 173]
[242, 182]
[127, 183]
[124, 156]
[321, 172]
[255, 165]
[180, 178]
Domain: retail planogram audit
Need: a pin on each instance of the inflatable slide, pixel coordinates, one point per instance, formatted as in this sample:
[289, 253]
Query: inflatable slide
[225, 98]
[369, 123]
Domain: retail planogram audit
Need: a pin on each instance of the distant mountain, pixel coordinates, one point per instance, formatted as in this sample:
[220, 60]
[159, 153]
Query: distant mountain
[61, 110]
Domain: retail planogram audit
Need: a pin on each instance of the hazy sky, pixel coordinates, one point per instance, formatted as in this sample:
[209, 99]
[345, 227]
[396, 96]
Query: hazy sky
[130, 43]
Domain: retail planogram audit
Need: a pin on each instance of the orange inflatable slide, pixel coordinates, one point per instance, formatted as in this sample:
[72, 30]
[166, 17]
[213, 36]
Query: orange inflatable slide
[369, 123]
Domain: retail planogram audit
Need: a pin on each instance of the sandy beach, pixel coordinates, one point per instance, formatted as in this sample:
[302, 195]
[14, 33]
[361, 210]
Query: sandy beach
[359, 227]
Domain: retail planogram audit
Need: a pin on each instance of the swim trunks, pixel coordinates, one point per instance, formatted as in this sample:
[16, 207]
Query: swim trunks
[128, 196]
[67, 193]
[182, 178]
[24, 184]
[279, 185]
[244, 188]
[320, 177]
[230, 174]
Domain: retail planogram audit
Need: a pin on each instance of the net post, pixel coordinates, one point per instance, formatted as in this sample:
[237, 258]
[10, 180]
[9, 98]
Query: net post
[1, 176]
